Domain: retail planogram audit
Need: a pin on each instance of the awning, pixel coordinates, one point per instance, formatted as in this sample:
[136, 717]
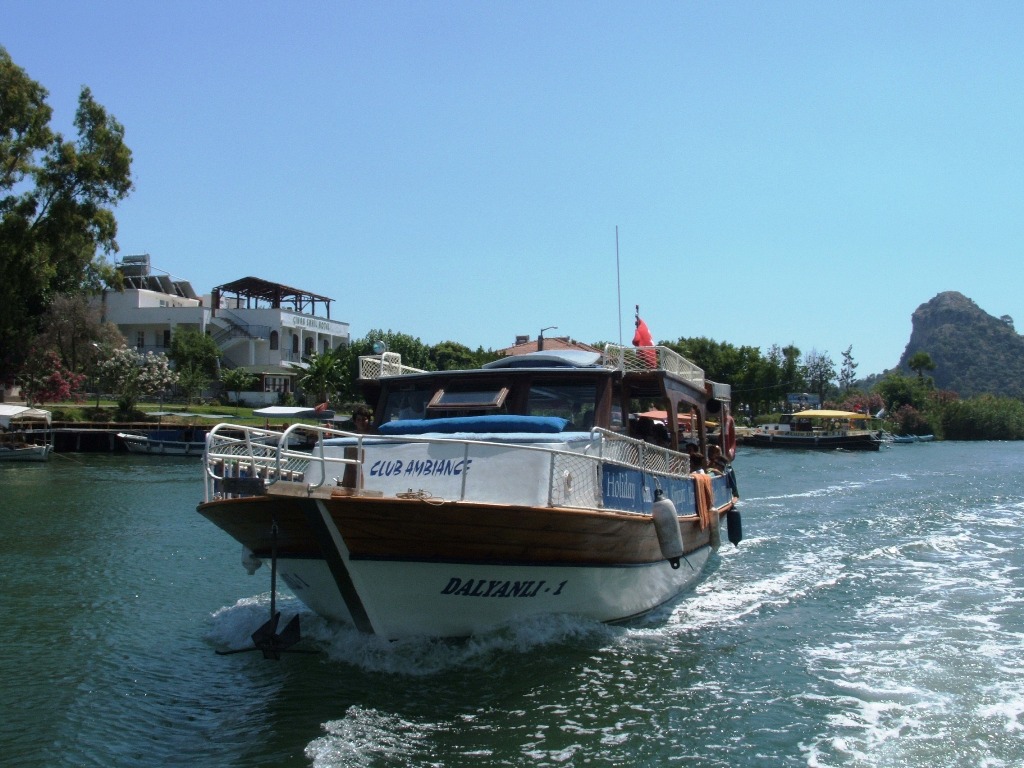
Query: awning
[287, 412]
[16, 413]
[663, 416]
[812, 414]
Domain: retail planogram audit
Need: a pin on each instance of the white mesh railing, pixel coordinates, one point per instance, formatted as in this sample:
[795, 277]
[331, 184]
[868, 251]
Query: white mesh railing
[387, 364]
[638, 454]
[634, 359]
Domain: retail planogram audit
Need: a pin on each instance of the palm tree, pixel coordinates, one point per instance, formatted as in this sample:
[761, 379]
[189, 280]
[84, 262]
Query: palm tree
[323, 375]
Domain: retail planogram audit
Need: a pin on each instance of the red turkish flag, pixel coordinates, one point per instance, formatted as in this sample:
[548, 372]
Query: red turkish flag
[643, 338]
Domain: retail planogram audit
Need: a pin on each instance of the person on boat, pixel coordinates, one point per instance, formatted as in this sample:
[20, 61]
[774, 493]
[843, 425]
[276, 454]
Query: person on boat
[697, 460]
[362, 417]
[716, 459]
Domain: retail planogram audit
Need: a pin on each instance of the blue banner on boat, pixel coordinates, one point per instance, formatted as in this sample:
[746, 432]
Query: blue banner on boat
[634, 490]
[625, 489]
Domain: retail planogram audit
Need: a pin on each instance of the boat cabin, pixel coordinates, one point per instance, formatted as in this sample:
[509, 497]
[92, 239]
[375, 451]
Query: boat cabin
[660, 398]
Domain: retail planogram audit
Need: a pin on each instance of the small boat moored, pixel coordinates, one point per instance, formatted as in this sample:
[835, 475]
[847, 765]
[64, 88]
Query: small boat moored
[26, 433]
[162, 443]
[481, 497]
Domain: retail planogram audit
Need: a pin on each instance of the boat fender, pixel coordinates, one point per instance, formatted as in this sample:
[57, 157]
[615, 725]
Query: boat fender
[735, 525]
[666, 523]
[730, 475]
[730, 439]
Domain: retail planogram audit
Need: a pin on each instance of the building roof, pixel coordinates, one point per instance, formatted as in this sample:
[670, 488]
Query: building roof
[256, 292]
[551, 343]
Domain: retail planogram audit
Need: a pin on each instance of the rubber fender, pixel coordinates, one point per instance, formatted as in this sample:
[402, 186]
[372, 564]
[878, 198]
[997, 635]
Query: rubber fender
[735, 525]
[666, 523]
[730, 473]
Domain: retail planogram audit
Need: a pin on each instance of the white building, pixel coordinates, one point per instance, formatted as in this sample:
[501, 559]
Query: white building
[260, 326]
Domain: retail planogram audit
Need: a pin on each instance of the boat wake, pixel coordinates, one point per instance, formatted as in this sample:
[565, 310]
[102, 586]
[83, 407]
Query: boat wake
[232, 627]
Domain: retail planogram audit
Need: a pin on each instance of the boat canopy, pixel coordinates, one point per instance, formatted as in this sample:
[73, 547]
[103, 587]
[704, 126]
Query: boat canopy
[287, 412]
[14, 413]
[819, 414]
[557, 358]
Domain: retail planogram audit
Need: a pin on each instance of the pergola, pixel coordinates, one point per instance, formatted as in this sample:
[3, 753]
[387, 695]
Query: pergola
[257, 294]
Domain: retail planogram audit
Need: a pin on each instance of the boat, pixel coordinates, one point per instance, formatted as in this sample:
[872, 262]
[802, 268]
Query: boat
[904, 439]
[26, 433]
[483, 497]
[163, 443]
[818, 430]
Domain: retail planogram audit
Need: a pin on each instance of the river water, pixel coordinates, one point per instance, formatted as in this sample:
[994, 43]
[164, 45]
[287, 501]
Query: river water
[871, 617]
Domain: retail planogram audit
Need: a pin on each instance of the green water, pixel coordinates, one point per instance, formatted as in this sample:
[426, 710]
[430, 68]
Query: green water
[872, 617]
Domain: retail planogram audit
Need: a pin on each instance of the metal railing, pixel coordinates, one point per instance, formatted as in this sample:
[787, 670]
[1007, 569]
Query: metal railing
[373, 367]
[244, 461]
[639, 359]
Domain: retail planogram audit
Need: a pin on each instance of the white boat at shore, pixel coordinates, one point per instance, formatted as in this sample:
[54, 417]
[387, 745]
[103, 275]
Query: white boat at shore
[483, 496]
[26, 433]
[160, 446]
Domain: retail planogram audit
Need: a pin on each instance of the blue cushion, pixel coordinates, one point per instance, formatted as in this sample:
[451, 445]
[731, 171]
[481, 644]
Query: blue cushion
[475, 424]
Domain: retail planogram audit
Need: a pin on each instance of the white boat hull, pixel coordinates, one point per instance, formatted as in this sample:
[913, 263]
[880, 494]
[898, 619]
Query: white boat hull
[455, 600]
[31, 453]
[143, 444]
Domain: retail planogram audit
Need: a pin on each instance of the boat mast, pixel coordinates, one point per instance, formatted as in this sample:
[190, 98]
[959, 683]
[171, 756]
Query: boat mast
[618, 281]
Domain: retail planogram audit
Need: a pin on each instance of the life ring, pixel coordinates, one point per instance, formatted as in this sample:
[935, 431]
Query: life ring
[730, 439]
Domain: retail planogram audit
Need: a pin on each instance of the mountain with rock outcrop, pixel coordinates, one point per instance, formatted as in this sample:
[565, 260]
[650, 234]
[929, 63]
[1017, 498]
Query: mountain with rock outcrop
[974, 352]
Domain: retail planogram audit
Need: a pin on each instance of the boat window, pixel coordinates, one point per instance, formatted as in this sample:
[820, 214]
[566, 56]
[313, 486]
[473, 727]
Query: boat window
[573, 402]
[447, 399]
[407, 403]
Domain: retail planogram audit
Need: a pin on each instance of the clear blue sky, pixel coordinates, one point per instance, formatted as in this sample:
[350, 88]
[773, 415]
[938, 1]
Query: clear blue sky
[802, 173]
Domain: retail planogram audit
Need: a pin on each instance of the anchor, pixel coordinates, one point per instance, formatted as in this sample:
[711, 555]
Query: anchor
[266, 638]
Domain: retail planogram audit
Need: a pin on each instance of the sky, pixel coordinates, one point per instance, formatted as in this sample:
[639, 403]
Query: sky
[756, 173]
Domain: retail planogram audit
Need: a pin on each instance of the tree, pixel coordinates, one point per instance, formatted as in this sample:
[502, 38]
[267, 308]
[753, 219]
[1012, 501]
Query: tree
[56, 200]
[192, 349]
[131, 376]
[72, 328]
[920, 362]
[848, 373]
[451, 356]
[820, 372]
[898, 390]
[192, 380]
[237, 380]
[323, 376]
[45, 379]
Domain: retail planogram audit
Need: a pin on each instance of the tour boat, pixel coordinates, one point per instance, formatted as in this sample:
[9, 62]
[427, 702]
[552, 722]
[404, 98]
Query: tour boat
[481, 497]
[818, 430]
[26, 433]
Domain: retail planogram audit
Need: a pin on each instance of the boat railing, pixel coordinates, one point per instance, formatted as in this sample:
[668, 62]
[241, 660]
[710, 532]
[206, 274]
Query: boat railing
[245, 460]
[373, 367]
[639, 359]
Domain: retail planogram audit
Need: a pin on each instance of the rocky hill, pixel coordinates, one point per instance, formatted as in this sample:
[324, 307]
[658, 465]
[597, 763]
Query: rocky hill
[974, 353]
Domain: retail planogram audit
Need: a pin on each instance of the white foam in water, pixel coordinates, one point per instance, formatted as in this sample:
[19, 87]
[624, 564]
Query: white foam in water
[933, 667]
[365, 737]
[424, 656]
[232, 626]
